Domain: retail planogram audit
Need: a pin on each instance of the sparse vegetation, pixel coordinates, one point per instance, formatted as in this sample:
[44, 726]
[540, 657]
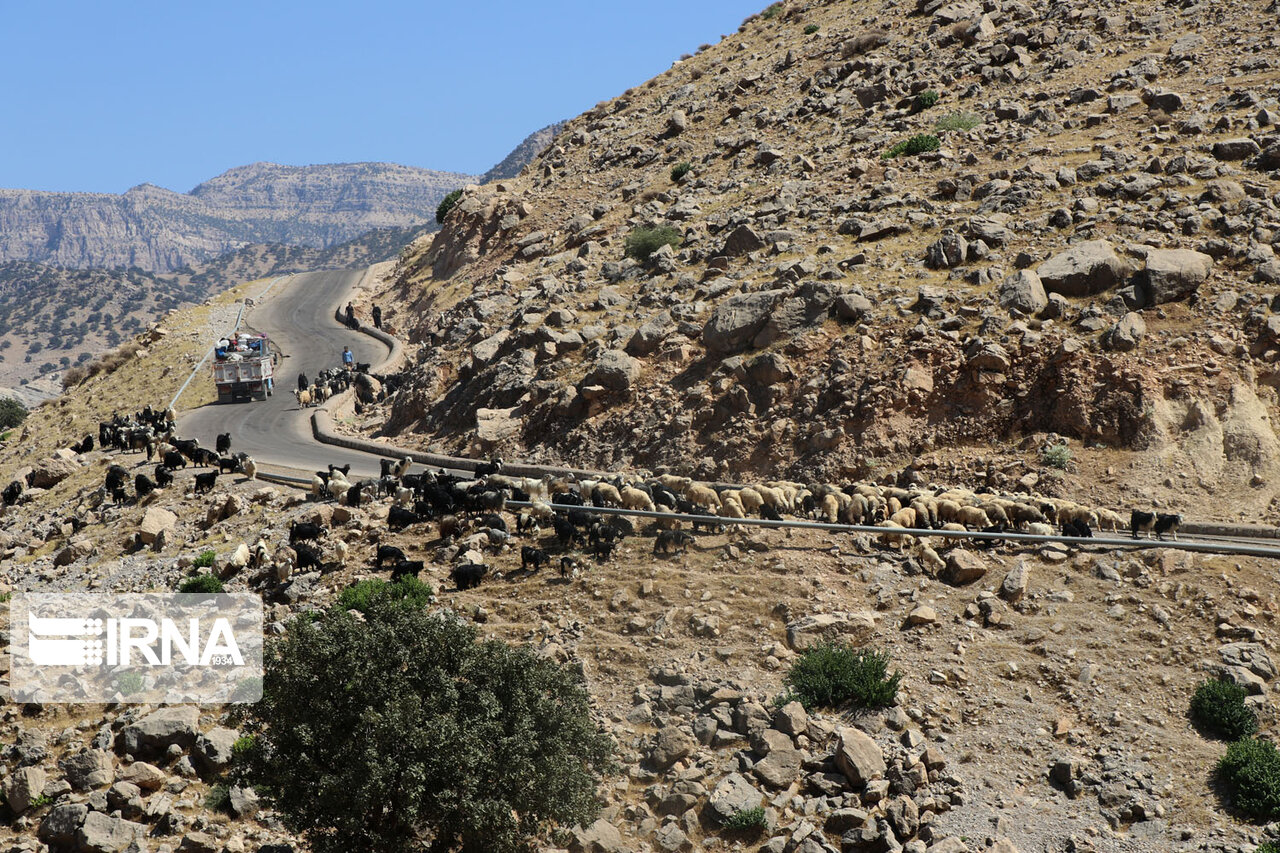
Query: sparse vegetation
[446, 205]
[1056, 456]
[1250, 775]
[679, 170]
[642, 242]
[128, 683]
[201, 583]
[957, 121]
[834, 674]
[371, 732]
[218, 799]
[364, 594]
[1219, 710]
[747, 820]
[771, 12]
[925, 100]
[12, 413]
[811, 29]
[918, 144]
[205, 559]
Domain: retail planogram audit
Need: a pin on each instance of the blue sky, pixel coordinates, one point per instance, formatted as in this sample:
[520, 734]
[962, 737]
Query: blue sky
[102, 96]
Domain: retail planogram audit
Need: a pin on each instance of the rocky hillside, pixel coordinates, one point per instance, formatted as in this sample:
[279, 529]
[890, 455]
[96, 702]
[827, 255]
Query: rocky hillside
[159, 230]
[1042, 705]
[1079, 241]
[522, 154]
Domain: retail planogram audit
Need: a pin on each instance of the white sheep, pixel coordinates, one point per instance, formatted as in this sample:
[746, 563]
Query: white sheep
[633, 498]
[607, 494]
[304, 397]
[317, 487]
[250, 468]
[1039, 528]
[1109, 520]
[340, 553]
[973, 517]
[703, 496]
[402, 467]
[929, 558]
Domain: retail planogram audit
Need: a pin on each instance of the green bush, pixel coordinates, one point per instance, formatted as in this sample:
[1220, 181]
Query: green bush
[925, 100]
[205, 560]
[1056, 456]
[811, 29]
[128, 683]
[12, 413]
[1268, 847]
[831, 674]
[243, 748]
[1218, 709]
[204, 582]
[446, 205]
[957, 121]
[376, 734]
[679, 170]
[771, 12]
[918, 144]
[747, 820]
[218, 799]
[641, 243]
[1250, 773]
[365, 594]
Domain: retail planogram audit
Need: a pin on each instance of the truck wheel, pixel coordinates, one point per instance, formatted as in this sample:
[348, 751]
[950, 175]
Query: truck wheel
[224, 398]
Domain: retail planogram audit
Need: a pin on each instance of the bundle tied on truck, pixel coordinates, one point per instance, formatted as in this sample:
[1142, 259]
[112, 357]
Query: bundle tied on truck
[243, 367]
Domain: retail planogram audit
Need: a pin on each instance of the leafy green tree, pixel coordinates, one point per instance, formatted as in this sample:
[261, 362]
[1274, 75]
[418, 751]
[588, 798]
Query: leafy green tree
[12, 413]
[447, 205]
[403, 732]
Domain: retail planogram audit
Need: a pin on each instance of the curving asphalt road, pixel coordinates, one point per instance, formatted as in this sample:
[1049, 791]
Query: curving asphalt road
[298, 317]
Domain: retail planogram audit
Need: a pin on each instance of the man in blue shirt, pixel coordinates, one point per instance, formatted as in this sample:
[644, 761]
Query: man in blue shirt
[348, 358]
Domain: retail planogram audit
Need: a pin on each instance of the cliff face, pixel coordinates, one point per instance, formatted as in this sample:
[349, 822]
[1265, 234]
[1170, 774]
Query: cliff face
[160, 230]
[522, 154]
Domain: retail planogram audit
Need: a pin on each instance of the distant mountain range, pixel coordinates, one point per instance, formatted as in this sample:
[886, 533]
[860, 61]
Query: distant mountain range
[522, 154]
[160, 231]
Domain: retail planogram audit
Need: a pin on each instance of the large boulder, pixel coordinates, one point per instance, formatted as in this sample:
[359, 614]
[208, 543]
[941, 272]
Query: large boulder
[600, 837]
[52, 471]
[670, 745]
[1083, 270]
[87, 769]
[614, 370]
[1174, 274]
[816, 627]
[1023, 291]
[155, 522]
[102, 834]
[23, 787]
[154, 733]
[1125, 335]
[859, 757]
[964, 567]
[58, 829]
[743, 240]
[737, 320]
[651, 334]
[733, 794]
[213, 749]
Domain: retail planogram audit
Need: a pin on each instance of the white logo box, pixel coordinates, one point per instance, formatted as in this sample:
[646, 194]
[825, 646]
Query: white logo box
[204, 648]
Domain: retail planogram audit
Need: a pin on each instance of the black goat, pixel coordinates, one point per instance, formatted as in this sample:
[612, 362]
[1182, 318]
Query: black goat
[1167, 523]
[143, 485]
[536, 556]
[398, 518]
[672, 539]
[224, 443]
[205, 481]
[468, 575]
[298, 531]
[164, 477]
[406, 567]
[388, 554]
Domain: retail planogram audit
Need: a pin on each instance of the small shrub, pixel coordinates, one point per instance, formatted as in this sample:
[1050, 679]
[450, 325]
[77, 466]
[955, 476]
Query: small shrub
[641, 243]
[957, 121]
[218, 799]
[918, 144]
[1250, 772]
[1218, 709]
[364, 595]
[811, 29]
[925, 100]
[771, 12]
[679, 170]
[747, 820]
[1268, 847]
[128, 683]
[862, 43]
[243, 748]
[1056, 456]
[74, 376]
[41, 801]
[205, 560]
[203, 582]
[832, 674]
[12, 413]
[446, 205]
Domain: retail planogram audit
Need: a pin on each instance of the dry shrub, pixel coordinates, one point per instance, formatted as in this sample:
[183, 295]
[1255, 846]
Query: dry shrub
[74, 376]
[110, 363]
[862, 43]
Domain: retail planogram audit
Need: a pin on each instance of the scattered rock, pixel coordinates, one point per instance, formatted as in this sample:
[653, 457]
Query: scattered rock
[963, 567]
[156, 522]
[1174, 274]
[858, 757]
[1023, 292]
[1083, 270]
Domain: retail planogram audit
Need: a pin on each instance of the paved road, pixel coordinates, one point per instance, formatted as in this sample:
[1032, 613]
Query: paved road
[298, 317]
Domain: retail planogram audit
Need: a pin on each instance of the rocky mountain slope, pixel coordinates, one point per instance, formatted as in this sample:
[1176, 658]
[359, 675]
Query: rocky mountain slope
[1043, 704]
[1083, 246]
[531, 146]
[159, 230]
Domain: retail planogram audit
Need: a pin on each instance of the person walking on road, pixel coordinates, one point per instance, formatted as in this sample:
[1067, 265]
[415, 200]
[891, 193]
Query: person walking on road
[377, 317]
[302, 382]
[351, 316]
[348, 358]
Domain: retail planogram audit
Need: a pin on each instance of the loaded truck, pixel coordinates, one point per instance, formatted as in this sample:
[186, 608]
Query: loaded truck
[243, 367]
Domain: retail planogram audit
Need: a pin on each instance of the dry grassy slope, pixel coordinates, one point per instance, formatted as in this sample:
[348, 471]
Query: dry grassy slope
[779, 140]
